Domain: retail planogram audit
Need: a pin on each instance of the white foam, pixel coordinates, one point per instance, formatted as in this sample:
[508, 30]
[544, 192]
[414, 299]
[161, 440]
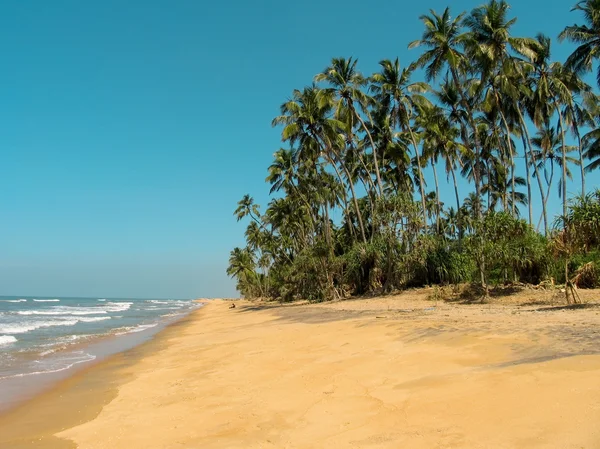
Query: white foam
[76, 311]
[93, 319]
[140, 328]
[7, 339]
[169, 302]
[71, 362]
[102, 299]
[13, 300]
[103, 309]
[28, 326]
[117, 306]
[46, 300]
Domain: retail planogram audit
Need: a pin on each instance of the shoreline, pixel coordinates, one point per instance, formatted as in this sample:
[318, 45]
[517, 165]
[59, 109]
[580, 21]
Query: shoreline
[87, 387]
[382, 372]
[19, 388]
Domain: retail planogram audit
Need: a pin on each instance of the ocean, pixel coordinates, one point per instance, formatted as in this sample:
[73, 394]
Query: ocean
[45, 335]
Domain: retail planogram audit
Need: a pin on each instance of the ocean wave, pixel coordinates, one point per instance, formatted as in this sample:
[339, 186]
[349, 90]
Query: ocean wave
[102, 299]
[93, 319]
[117, 306]
[103, 309]
[80, 357]
[7, 339]
[64, 311]
[13, 300]
[134, 329]
[62, 343]
[46, 300]
[28, 326]
[169, 302]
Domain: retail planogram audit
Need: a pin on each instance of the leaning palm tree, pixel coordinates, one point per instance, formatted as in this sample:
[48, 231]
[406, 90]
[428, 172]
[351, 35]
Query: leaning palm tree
[284, 176]
[308, 122]
[586, 36]
[242, 267]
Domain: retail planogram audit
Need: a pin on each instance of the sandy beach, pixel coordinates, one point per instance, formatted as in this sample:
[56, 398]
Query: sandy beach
[400, 371]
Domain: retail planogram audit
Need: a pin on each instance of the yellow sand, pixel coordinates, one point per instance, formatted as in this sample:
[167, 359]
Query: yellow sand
[387, 374]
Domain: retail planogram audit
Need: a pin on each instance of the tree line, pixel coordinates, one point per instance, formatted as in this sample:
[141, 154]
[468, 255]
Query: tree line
[351, 211]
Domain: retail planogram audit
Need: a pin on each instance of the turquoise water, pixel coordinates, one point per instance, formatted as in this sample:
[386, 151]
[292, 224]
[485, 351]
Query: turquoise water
[48, 335]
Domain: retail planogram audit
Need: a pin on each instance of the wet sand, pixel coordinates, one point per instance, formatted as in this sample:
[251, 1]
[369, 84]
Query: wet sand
[390, 372]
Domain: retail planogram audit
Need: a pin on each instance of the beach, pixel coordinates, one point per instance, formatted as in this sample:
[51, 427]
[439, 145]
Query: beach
[389, 372]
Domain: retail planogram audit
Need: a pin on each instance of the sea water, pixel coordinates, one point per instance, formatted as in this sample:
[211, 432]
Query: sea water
[45, 335]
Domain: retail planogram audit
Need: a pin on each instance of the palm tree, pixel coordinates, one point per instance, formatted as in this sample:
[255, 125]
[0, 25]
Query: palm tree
[553, 87]
[283, 176]
[440, 141]
[587, 37]
[345, 93]
[498, 54]
[549, 144]
[445, 43]
[247, 208]
[307, 121]
[591, 142]
[242, 266]
[395, 92]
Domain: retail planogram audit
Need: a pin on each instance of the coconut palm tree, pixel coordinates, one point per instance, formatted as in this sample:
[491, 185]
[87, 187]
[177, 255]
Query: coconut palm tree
[399, 96]
[591, 143]
[586, 36]
[308, 122]
[445, 41]
[345, 95]
[498, 54]
[552, 87]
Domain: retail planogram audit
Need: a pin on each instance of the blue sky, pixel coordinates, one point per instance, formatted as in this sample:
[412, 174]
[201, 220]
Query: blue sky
[129, 130]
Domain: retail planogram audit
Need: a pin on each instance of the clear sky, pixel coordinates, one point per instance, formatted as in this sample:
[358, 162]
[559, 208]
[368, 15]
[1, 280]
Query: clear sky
[130, 129]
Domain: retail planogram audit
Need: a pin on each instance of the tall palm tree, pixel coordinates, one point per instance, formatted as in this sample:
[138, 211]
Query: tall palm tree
[345, 93]
[553, 86]
[586, 36]
[394, 90]
[495, 52]
[307, 121]
[440, 141]
[445, 41]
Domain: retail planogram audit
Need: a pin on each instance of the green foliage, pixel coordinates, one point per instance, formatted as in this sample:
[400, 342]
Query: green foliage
[353, 212]
[447, 265]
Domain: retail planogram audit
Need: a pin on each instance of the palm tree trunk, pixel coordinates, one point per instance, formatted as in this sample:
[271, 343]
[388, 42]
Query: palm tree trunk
[564, 160]
[537, 173]
[437, 198]
[512, 160]
[475, 137]
[528, 176]
[548, 192]
[455, 189]
[377, 174]
[327, 228]
[581, 163]
[350, 184]
[476, 167]
[352, 191]
[421, 187]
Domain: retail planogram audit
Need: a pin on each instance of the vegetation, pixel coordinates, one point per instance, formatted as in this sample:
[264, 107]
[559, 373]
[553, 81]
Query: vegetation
[352, 212]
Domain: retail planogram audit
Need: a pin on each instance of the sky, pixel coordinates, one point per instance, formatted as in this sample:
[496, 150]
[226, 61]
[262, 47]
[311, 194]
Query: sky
[129, 130]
